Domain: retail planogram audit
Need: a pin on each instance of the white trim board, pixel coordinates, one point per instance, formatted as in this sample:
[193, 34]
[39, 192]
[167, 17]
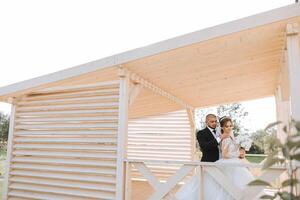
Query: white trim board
[268, 17]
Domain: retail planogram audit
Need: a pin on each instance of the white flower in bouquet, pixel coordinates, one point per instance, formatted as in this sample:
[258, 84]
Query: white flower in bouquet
[244, 141]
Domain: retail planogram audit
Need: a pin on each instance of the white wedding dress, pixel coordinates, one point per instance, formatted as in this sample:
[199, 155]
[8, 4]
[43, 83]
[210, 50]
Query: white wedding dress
[239, 176]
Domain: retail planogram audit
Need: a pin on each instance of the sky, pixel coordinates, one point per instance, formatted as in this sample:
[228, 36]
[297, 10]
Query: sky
[40, 37]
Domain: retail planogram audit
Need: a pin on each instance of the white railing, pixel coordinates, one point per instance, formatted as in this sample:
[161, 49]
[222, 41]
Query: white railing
[164, 189]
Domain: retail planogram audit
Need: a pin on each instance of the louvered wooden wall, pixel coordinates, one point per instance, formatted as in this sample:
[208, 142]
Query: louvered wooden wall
[64, 144]
[166, 137]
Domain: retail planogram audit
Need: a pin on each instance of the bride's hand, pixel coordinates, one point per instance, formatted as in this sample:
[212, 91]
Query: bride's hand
[224, 136]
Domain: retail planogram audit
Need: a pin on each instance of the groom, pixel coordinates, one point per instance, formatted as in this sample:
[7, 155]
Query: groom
[209, 140]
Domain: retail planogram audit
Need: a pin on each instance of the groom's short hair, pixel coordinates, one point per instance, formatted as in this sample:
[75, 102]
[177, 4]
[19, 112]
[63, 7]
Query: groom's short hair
[210, 116]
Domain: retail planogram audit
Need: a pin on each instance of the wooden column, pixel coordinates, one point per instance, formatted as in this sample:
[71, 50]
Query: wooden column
[283, 113]
[293, 60]
[122, 132]
[191, 115]
[9, 151]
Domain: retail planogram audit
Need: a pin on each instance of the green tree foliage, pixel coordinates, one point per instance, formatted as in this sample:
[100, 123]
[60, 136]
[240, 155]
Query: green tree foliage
[286, 154]
[235, 111]
[4, 126]
[260, 141]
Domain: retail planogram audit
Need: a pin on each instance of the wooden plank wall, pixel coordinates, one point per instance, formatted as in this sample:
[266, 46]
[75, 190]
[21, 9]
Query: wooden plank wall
[164, 137]
[65, 144]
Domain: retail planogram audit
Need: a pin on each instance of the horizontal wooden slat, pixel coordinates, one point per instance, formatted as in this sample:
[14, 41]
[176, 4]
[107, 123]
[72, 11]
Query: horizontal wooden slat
[65, 176]
[154, 156]
[68, 119]
[95, 86]
[161, 158]
[70, 95]
[147, 144]
[163, 140]
[104, 155]
[159, 136]
[158, 131]
[171, 122]
[49, 146]
[150, 151]
[66, 140]
[61, 190]
[106, 112]
[76, 132]
[83, 162]
[62, 168]
[69, 127]
[64, 183]
[160, 126]
[158, 148]
[30, 195]
[69, 107]
[107, 98]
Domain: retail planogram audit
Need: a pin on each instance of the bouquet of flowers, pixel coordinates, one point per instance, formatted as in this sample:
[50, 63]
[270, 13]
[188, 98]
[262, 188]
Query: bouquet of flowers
[244, 141]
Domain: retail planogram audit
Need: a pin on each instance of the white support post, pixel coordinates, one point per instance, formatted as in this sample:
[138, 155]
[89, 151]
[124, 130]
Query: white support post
[282, 112]
[122, 134]
[201, 178]
[9, 151]
[190, 113]
[128, 186]
[293, 60]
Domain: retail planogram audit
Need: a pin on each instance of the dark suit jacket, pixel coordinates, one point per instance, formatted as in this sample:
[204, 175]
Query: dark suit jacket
[208, 145]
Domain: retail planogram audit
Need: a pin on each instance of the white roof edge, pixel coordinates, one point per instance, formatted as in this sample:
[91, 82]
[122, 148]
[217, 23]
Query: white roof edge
[170, 44]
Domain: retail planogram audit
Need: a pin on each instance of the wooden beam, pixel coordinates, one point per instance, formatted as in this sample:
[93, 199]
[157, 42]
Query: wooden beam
[147, 84]
[293, 60]
[122, 132]
[9, 151]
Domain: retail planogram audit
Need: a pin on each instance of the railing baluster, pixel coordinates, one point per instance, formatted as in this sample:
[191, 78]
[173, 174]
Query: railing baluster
[164, 189]
[201, 188]
[128, 181]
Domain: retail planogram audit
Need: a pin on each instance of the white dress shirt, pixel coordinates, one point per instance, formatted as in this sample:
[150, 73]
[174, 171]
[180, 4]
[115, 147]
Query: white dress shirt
[216, 135]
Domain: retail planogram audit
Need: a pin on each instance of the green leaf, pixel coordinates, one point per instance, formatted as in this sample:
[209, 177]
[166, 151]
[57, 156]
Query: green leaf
[286, 196]
[290, 182]
[285, 151]
[272, 125]
[297, 125]
[267, 197]
[291, 144]
[285, 129]
[296, 157]
[259, 183]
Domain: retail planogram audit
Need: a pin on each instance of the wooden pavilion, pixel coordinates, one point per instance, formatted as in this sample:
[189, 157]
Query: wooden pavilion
[123, 127]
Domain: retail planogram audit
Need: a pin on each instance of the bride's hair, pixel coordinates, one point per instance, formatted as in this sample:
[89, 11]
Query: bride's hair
[223, 121]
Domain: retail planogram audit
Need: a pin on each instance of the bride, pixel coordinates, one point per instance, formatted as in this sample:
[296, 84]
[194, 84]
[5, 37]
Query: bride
[239, 176]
